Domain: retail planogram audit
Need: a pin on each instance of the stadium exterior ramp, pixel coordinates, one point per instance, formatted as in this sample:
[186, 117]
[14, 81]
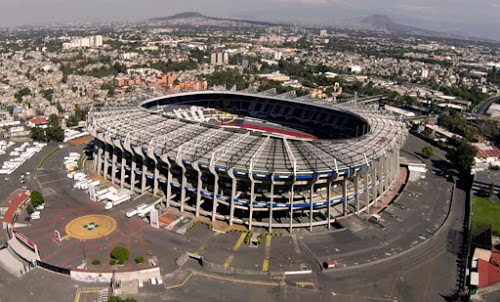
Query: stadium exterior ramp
[262, 160]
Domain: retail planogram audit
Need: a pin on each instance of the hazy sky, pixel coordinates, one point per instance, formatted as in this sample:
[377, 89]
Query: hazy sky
[479, 17]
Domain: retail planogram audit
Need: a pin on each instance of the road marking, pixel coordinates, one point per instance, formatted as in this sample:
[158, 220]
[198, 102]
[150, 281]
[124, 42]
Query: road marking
[204, 245]
[229, 260]
[51, 181]
[236, 280]
[79, 292]
[179, 285]
[239, 242]
[235, 249]
[268, 242]
[265, 263]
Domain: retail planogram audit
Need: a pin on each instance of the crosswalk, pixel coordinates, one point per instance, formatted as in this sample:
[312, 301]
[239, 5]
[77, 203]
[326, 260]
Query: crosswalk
[103, 295]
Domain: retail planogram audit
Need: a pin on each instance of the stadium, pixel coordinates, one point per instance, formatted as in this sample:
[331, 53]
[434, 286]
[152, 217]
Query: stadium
[257, 159]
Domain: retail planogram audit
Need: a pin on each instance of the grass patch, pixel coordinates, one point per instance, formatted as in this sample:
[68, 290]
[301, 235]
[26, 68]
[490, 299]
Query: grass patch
[485, 213]
[47, 156]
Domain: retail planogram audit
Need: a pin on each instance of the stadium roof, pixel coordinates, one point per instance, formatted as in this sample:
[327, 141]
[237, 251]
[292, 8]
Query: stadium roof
[243, 149]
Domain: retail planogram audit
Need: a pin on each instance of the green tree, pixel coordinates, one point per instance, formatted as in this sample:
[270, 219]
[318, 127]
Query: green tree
[38, 134]
[29, 209]
[36, 198]
[59, 108]
[427, 152]
[22, 92]
[120, 253]
[54, 134]
[72, 121]
[462, 155]
[53, 120]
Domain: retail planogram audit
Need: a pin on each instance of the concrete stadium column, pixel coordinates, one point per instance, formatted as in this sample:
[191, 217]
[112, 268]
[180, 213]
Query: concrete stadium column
[366, 192]
[199, 186]
[183, 182]
[169, 181]
[344, 195]
[117, 146]
[373, 173]
[380, 177]
[251, 201]
[271, 204]
[96, 156]
[156, 176]
[216, 189]
[100, 152]
[311, 203]
[108, 152]
[106, 160]
[138, 151]
[144, 178]
[122, 169]
[292, 188]
[132, 172]
[113, 165]
[230, 173]
[164, 158]
[328, 199]
[156, 173]
[356, 191]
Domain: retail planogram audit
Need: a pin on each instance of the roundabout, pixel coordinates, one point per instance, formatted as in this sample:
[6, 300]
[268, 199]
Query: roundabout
[91, 227]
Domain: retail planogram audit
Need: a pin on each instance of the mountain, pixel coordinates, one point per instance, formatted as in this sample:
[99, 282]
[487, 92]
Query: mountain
[186, 17]
[383, 22]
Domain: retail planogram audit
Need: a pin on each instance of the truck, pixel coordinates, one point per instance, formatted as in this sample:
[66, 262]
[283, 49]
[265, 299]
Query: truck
[120, 200]
[143, 211]
[131, 213]
[108, 195]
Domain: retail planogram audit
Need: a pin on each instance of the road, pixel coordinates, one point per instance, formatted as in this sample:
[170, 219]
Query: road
[484, 105]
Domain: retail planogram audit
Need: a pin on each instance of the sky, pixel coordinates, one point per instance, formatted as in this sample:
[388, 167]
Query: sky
[476, 17]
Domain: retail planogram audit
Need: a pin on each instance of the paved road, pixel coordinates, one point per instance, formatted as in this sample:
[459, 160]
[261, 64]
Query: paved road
[484, 105]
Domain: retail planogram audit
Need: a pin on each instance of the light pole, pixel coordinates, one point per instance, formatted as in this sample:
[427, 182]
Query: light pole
[83, 250]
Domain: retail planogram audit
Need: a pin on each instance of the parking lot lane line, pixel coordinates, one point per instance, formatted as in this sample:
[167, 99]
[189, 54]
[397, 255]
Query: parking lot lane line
[268, 241]
[204, 245]
[265, 263]
[235, 249]
[239, 242]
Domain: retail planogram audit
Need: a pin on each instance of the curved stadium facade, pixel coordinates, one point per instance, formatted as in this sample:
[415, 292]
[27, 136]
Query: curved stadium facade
[259, 159]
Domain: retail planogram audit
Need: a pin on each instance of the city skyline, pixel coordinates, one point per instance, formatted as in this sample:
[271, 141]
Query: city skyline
[458, 16]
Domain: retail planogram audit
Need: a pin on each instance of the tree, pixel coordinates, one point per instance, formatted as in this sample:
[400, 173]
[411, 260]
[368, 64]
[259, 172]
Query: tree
[72, 121]
[29, 209]
[53, 120]
[36, 198]
[55, 134]
[462, 155]
[120, 253]
[427, 152]
[38, 134]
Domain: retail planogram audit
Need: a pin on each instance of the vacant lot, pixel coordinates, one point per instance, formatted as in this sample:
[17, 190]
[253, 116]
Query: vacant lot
[485, 213]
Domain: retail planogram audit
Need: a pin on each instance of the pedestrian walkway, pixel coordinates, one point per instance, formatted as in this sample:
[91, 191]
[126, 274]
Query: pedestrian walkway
[11, 264]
